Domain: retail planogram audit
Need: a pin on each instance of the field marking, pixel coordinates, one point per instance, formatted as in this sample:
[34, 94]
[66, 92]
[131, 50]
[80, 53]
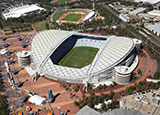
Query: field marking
[72, 58]
[72, 12]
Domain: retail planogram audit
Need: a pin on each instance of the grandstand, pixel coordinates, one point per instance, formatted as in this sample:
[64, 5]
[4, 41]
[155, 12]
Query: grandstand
[49, 47]
[75, 16]
[21, 10]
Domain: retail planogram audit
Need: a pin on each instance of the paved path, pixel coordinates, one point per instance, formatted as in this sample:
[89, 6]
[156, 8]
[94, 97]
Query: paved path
[155, 67]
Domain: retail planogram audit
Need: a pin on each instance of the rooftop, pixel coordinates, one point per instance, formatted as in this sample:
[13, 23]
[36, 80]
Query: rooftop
[15, 12]
[113, 51]
[138, 10]
[148, 1]
[154, 27]
[142, 101]
[154, 12]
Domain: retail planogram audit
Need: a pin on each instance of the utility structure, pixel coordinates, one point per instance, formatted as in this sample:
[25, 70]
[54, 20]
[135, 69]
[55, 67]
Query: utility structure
[50, 96]
[23, 58]
[14, 72]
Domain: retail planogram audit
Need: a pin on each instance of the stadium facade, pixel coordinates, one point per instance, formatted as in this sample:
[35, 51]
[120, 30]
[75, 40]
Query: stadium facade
[23, 10]
[50, 46]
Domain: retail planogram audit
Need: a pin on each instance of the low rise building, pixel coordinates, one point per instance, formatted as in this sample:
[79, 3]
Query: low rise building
[154, 13]
[86, 110]
[155, 28]
[137, 11]
[147, 17]
[146, 102]
[124, 17]
[148, 1]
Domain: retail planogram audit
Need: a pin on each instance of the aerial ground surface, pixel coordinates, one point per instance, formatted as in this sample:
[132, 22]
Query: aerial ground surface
[79, 57]
[60, 2]
[42, 85]
[73, 17]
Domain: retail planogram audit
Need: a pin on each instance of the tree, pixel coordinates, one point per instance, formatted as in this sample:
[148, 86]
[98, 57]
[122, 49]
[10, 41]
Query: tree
[139, 71]
[111, 94]
[157, 75]
[76, 103]
[103, 106]
[100, 87]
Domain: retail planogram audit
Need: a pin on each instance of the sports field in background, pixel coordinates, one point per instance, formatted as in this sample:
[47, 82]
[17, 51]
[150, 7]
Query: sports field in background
[79, 57]
[61, 1]
[73, 17]
[70, 16]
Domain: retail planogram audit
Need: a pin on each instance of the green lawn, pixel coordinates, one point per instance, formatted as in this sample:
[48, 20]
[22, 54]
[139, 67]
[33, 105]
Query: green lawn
[79, 57]
[73, 17]
[60, 13]
[62, 1]
[40, 25]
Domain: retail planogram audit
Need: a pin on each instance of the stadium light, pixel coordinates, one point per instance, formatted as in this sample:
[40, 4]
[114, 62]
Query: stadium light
[66, 5]
[59, 109]
[93, 4]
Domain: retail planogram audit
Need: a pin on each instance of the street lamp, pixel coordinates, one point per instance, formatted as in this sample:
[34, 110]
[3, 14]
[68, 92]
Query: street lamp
[59, 109]
[93, 4]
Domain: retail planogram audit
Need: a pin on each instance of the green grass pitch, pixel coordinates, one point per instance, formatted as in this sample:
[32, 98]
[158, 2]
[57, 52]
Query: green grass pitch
[79, 57]
[73, 17]
[62, 1]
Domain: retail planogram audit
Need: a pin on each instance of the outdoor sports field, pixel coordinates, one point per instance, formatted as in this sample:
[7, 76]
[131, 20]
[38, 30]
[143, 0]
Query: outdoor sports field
[79, 57]
[72, 17]
[62, 1]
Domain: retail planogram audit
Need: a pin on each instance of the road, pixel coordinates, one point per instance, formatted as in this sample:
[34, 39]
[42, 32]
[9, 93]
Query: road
[153, 38]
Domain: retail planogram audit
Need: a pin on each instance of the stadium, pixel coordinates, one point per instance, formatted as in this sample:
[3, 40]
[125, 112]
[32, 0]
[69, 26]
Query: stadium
[74, 16]
[77, 57]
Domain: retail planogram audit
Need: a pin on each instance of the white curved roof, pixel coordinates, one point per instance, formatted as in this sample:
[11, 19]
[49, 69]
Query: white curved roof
[91, 14]
[19, 11]
[113, 51]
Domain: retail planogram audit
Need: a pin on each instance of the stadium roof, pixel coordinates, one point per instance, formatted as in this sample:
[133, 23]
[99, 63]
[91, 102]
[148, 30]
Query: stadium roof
[19, 11]
[113, 51]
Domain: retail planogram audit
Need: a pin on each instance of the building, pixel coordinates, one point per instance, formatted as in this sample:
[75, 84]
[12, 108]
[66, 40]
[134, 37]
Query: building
[23, 58]
[124, 17]
[123, 112]
[37, 100]
[147, 17]
[50, 46]
[86, 110]
[90, 16]
[18, 11]
[147, 102]
[137, 11]
[148, 1]
[154, 13]
[155, 28]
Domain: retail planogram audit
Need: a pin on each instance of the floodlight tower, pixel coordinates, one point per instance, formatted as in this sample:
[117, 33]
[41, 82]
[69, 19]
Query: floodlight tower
[93, 4]
[66, 5]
